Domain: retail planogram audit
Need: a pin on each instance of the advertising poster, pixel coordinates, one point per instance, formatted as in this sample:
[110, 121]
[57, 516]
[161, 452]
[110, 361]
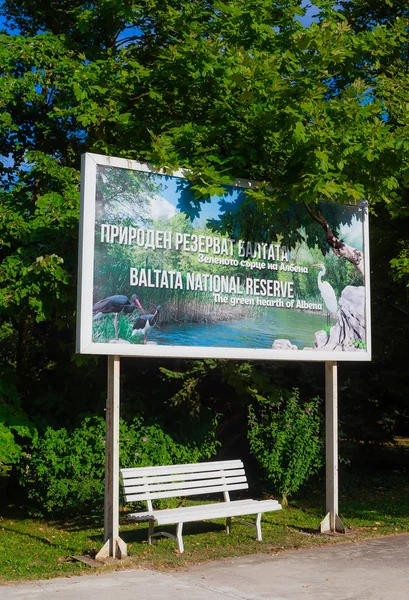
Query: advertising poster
[164, 274]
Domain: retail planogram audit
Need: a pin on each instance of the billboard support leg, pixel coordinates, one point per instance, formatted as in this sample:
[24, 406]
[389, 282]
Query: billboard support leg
[332, 522]
[114, 546]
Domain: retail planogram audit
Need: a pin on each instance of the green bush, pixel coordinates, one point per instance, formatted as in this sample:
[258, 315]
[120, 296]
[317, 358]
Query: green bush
[64, 470]
[15, 425]
[286, 439]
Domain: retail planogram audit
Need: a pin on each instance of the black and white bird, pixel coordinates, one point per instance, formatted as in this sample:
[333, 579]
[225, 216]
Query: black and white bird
[144, 323]
[114, 305]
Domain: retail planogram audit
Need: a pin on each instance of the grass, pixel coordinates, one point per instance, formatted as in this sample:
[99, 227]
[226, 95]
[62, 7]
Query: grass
[372, 503]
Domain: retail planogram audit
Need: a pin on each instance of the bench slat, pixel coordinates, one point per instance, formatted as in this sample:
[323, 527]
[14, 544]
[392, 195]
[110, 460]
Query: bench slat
[182, 477]
[221, 513]
[182, 510]
[181, 487]
[191, 492]
[188, 468]
[188, 514]
[143, 515]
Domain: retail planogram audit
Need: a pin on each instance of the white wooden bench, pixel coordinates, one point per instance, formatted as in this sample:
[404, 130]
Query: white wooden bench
[174, 481]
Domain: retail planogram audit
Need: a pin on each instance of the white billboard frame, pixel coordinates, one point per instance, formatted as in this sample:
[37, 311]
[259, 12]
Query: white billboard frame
[84, 343]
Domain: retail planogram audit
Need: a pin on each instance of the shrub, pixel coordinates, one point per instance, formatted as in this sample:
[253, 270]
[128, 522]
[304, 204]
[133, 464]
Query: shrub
[15, 425]
[64, 470]
[285, 438]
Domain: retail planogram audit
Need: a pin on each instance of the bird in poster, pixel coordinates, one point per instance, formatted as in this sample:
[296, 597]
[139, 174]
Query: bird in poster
[144, 323]
[327, 292]
[114, 305]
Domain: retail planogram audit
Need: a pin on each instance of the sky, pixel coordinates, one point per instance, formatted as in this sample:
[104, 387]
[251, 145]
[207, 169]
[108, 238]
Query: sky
[208, 209]
[307, 19]
[165, 205]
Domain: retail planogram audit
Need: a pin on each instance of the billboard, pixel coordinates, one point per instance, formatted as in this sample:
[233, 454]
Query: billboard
[162, 273]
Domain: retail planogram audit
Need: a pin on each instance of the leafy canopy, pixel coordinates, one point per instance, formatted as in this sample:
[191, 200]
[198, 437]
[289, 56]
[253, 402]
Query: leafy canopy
[227, 89]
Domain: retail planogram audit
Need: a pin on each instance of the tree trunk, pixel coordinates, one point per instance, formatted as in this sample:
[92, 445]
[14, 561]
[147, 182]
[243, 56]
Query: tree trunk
[339, 248]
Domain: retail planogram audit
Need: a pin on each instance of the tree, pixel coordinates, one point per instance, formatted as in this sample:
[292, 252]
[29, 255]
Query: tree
[227, 89]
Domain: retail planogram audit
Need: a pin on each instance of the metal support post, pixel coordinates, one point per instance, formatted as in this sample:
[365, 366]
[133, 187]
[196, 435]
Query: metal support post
[114, 546]
[332, 522]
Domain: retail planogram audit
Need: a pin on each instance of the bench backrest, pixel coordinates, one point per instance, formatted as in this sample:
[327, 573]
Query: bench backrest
[172, 481]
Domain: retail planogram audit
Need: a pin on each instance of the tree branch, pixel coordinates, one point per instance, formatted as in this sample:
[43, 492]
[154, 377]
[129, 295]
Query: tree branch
[339, 248]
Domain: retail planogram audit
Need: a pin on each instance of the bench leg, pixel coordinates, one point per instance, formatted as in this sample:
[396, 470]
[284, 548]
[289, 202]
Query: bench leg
[228, 525]
[258, 528]
[150, 531]
[179, 528]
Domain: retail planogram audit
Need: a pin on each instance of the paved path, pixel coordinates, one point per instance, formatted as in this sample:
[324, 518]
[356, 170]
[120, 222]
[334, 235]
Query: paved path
[371, 570]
